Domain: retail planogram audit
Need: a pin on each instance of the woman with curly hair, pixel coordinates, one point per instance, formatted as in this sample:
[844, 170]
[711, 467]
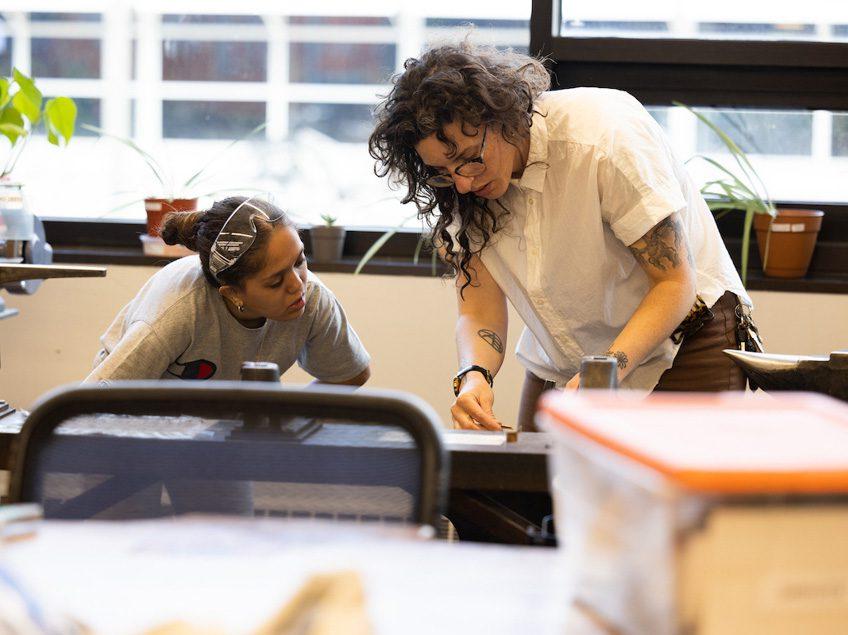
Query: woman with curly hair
[571, 205]
[246, 296]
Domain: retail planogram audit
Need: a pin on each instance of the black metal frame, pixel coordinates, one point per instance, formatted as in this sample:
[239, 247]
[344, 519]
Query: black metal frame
[705, 72]
[220, 399]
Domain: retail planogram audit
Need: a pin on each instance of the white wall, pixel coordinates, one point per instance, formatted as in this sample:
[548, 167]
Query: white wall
[406, 323]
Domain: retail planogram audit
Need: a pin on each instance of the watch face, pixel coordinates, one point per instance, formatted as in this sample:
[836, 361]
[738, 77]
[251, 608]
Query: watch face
[457, 381]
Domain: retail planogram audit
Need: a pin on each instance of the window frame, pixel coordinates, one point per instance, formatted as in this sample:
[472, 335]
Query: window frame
[702, 72]
[657, 71]
[715, 73]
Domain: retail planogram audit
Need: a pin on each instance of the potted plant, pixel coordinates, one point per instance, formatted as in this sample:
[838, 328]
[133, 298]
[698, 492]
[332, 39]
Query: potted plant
[425, 243]
[22, 109]
[172, 196]
[786, 237]
[327, 240]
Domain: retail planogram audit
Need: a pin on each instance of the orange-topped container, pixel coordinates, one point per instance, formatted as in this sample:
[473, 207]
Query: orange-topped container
[704, 514]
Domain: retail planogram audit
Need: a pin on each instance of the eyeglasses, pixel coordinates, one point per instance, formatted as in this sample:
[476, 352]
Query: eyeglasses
[235, 238]
[472, 167]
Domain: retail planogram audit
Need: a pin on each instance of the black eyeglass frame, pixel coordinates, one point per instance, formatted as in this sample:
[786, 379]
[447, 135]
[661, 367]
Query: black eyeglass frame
[445, 179]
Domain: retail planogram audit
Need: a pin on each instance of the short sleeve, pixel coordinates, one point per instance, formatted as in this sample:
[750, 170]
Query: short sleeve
[333, 351]
[636, 180]
[139, 354]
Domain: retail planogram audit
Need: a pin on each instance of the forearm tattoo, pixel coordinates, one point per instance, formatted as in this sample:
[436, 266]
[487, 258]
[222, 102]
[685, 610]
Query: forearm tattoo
[663, 246]
[492, 339]
[621, 359]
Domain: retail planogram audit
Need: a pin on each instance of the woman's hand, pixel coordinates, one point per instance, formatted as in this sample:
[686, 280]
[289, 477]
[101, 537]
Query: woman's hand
[472, 409]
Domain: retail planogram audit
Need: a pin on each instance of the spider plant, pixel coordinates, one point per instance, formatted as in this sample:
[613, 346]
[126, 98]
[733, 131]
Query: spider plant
[169, 187]
[423, 241]
[737, 188]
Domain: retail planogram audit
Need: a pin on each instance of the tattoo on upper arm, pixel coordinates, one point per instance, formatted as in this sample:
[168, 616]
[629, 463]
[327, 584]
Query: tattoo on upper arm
[492, 339]
[621, 358]
[664, 245]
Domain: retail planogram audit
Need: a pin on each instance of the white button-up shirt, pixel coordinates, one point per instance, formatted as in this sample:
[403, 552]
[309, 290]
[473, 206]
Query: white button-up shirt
[599, 175]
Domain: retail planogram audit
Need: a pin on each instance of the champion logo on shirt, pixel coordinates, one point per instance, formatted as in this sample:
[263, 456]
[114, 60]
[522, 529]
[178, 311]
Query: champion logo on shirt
[197, 369]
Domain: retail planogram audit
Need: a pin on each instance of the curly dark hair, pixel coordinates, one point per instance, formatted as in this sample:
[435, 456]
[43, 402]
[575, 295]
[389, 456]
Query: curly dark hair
[471, 84]
[198, 231]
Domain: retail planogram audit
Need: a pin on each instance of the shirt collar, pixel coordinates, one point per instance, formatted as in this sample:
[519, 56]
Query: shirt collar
[537, 158]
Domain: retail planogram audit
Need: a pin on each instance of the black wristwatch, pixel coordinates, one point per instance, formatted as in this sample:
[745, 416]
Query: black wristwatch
[457, 380]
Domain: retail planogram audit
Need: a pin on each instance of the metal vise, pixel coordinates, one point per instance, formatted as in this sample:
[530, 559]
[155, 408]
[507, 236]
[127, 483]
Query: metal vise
[828, 375]
[25, 263]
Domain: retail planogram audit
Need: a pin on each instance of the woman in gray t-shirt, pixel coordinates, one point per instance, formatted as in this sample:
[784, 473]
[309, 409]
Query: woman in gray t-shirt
[246, 296]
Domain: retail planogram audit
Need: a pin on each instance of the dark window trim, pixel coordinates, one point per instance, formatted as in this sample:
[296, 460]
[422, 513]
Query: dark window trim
[700, 52]
[706, 72]
[110, 241]
[116, 242]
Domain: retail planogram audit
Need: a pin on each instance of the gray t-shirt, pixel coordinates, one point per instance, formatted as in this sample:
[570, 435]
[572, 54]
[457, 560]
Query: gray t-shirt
[178, 327]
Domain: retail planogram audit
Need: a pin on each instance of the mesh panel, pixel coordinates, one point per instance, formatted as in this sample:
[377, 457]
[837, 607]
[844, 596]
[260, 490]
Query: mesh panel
[116, 467]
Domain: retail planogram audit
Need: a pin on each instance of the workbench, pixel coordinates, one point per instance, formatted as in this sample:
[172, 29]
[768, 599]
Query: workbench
[498, 491]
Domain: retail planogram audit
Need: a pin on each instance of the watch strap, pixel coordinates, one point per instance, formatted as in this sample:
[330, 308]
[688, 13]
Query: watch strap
[457, 380]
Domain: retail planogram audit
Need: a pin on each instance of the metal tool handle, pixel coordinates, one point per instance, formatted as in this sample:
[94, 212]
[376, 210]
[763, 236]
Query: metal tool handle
[16, 273]
[260, 371]
[599, 371]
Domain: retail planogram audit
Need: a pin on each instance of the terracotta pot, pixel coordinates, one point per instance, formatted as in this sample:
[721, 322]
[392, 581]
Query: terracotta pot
[787, 242]
[327, 242]
[157, 208]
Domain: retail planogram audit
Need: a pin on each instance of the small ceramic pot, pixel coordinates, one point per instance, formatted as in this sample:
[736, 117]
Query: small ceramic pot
[158, 208]
[787, 241]
[327, 242]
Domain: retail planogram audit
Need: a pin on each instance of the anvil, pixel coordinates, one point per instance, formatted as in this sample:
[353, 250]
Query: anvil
[828, 375]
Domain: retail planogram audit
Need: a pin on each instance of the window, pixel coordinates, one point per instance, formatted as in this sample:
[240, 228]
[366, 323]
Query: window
[839, 135]
[65, 57]
[752, 20]
[184, 86]
[187, 60]
[770, 74]
[797, 153]
[210, 119]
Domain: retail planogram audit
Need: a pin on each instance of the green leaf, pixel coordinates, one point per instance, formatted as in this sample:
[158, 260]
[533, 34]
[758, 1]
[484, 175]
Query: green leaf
[148, 159]
[721, 204]
[421, 240]
[28, 98]
[232, 189]
[12, 125]
[60, 117]
[12, 132]
[5, 97]
[750, 194]
[735, 151]
[746, 242]
[738, 155]
[193, 178]
[382, 240]
[373, 249]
